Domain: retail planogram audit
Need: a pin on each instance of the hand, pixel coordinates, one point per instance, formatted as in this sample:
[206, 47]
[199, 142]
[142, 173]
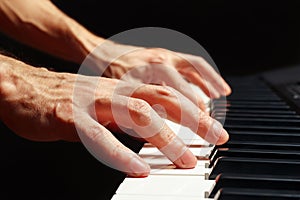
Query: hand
[40, 105]
[160, 66]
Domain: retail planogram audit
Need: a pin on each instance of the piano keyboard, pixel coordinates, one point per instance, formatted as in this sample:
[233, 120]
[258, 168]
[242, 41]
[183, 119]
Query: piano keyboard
[261, 160]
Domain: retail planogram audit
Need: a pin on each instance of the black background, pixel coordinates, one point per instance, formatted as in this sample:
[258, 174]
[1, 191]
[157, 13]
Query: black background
[243, 37]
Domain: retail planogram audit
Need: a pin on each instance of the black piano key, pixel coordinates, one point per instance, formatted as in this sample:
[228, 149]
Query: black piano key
[249, 92]
[255, 182]
[253, 153]
[249, 115]
[256, 194]
[259, 103]
[266, 136]
[261, 107]
[256, 111]
[264, 140]
[253, 95]
[254, 98]
[262, 121]
[261, 89]
[261, 127]
[261, 145]
[254, 128]
[254, 166]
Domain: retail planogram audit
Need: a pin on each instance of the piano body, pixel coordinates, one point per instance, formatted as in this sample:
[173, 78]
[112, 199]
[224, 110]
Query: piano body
[261, 160]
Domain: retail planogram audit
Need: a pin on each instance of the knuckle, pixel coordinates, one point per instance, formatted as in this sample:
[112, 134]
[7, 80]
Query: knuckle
[201, 60]
[6, 86]
[158, 55]
[103, 101]
[63, 112]
[205, 123]
[164, 91]
[116, 150]
[140, 112]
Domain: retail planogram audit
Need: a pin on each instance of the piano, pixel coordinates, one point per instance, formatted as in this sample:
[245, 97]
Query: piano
[261, 160]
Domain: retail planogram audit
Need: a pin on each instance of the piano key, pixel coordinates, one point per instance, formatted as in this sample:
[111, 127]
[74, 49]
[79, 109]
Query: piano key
[254, 98]
[255, 111]
[261, 107]
[261, 127]
[264, 129]
[253, 93]
[186, 134]
[256, 194]
[255, 182]
[262, 122]
[161, 165]
[152, 152]
[151, 197]
[199, 92]
[247, 102]
[266, 136]
[261, 145]
[254, 153]
[164, 185]
[253, 166]
[267, 116]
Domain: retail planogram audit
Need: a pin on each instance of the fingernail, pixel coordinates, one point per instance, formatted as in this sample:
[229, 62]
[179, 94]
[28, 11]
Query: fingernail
[228, 89]
[214, 94]
[138, 168]
[202, 106]
[221, 135]
[187, 160]
[178, 153]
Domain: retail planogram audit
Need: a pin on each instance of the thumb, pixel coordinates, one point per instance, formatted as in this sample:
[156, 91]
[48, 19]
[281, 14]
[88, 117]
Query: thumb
[101, 143]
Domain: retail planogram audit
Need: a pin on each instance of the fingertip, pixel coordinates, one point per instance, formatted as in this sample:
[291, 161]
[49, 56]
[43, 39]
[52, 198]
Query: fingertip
[202, 106]
[214, 94]
[217, 134]
[138, 168]
[224, 137]
[186, 161]
[228, 90]
[134, 175]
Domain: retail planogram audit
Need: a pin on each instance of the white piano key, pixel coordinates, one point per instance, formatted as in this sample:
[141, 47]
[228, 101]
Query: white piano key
[151, 197]
[195, 142]
[186, 135]
[200, 92]
[159, 185]
[160, 164]
[199, 170]
[184, 132]
[164, 166]
[165, 181]
[200, 152]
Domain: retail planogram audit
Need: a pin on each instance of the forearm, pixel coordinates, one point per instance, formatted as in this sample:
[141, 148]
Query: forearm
[38, 23]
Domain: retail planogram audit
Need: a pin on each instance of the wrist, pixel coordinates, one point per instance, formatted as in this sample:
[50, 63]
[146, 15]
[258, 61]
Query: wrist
[108, 54]
[81, 41]
[5, 84]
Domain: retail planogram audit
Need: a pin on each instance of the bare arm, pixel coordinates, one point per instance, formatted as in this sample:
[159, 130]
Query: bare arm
[40, 24]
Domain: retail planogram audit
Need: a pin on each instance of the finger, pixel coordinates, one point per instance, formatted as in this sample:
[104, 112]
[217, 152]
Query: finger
[169, 76]
[137, 115]
[196, 79]
[202, 67]
[181, 110]
[107, 149]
